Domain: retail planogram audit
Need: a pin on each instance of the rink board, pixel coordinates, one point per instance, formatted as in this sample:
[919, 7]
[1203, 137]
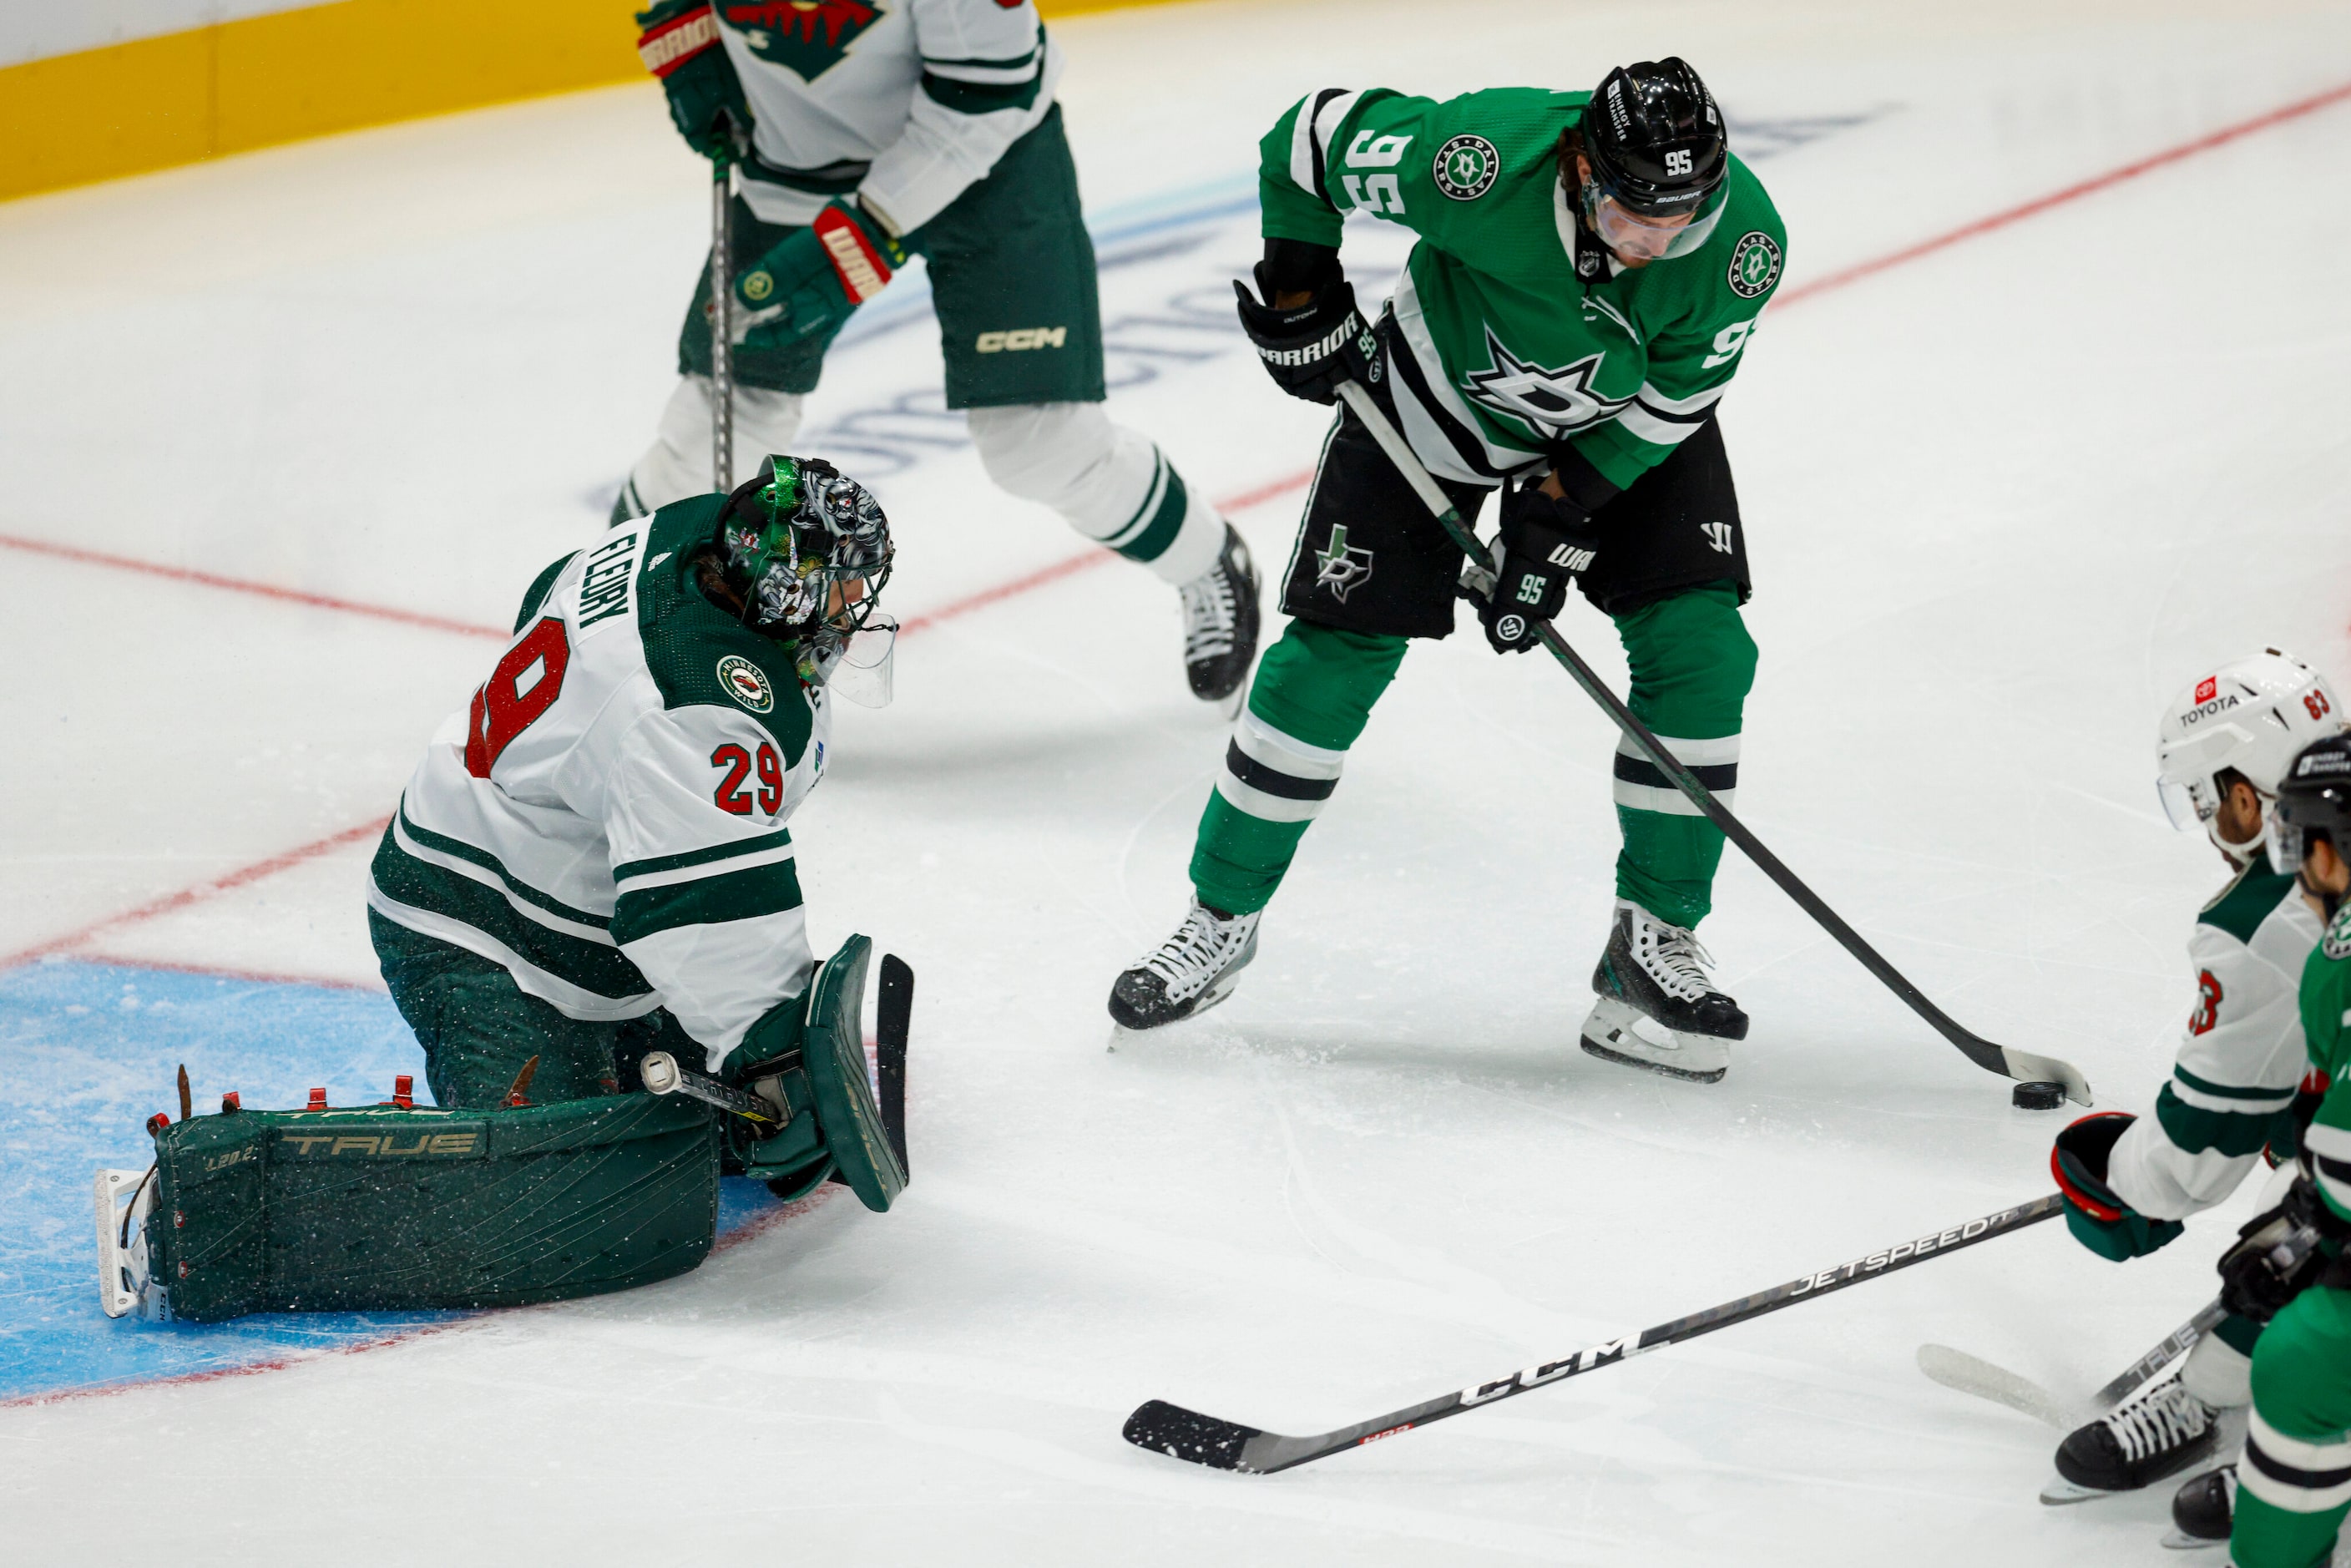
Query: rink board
[92, 1051]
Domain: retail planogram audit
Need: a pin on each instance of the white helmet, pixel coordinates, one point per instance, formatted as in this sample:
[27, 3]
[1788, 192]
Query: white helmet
[2254, 714]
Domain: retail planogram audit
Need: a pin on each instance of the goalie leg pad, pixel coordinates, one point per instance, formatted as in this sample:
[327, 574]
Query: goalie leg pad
[833, 1055]
[382, 1209]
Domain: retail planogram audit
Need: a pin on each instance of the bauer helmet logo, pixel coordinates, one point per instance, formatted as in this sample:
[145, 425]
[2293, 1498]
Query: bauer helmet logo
[2206, 687]
[747, 684]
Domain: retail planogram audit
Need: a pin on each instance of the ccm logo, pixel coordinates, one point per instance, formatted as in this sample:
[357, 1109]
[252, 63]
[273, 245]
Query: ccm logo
[1026, 338]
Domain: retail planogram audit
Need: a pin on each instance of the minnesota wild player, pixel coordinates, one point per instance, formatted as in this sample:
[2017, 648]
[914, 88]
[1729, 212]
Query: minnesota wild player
[883, 129]
[1590, 269]
[2282, 1504]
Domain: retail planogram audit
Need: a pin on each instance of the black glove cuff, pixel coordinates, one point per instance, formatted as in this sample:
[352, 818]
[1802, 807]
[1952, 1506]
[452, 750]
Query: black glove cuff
[1291, 265]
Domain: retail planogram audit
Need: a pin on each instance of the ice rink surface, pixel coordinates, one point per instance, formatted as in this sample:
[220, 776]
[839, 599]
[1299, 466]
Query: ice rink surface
[2003, 498]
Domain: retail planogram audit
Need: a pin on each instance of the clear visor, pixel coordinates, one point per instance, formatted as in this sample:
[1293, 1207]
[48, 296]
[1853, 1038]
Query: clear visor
[2185, 802]
[1638, 236]
[862, 670]
[2287, 844]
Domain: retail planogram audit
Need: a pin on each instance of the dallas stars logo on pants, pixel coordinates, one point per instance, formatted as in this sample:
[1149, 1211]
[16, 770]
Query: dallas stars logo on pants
[1341, 568]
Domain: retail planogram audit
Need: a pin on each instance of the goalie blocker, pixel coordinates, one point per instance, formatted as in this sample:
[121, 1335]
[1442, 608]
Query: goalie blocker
[388, 1207]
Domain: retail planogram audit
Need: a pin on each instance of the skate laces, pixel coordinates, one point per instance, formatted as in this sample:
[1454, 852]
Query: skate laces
[1674, 957]
[1208, 613]
[2165, 1418]
[1191, 957]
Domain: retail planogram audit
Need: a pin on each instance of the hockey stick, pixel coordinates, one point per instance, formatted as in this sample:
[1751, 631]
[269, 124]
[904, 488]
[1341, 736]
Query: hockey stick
[2023, 1065]
[892, 1022]
[664, 1074]
[1956, 1369]
[1225, 1445]
[722, 325]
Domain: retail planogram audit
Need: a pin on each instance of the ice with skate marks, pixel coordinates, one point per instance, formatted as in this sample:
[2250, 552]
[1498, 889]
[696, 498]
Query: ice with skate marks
[1619, 1032]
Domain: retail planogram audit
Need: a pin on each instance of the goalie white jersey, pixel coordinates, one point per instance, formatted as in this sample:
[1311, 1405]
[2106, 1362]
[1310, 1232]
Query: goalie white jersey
[2240, 1060]
[605, 819]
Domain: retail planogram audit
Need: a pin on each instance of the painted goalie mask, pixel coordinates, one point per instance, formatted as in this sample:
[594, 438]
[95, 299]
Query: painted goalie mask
[810, 548]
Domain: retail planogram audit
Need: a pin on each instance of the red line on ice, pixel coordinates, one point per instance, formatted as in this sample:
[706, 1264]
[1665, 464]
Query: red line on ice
[2040, 204]
[201, 892]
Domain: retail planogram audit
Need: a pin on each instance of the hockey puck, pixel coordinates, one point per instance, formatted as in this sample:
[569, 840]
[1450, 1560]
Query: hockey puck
[2037, 1097]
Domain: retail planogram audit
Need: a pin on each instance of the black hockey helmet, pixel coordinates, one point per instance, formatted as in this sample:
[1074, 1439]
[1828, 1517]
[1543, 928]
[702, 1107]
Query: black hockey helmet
[1656, 138]
[2313, 800]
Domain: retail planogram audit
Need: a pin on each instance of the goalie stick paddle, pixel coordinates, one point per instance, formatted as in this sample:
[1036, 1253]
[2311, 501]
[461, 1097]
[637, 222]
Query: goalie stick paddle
[1224, 1445]
[2024, 1066]
[1956, 1369]
[893, 1021]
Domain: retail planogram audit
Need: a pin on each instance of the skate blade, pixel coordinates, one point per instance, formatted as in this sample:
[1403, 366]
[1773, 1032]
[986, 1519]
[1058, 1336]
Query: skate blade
[2061, 1493]
[1611, 1034]
[2180, 1541]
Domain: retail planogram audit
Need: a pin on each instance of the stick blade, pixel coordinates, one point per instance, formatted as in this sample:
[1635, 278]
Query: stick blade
[2027, 1066]
[1965, 1373]
[1187, 1434]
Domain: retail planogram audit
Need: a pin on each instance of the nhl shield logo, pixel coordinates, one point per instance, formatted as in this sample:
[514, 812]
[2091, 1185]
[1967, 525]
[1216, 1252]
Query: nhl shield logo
[808, 38]
[1465, 167]
[1754, 263]
[1338, 567]
[747, 684]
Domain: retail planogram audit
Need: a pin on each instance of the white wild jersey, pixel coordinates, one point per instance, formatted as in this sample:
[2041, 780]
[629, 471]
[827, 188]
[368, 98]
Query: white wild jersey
[605, 818]
[906, 103]
[2240, 1059]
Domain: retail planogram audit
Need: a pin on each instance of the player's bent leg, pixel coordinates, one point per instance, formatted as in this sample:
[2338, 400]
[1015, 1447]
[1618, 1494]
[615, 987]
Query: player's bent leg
[1117, 488]
[2294, 1479]
[1657, 1006]
[677, 465]
[478, 1029]
[1311, 700]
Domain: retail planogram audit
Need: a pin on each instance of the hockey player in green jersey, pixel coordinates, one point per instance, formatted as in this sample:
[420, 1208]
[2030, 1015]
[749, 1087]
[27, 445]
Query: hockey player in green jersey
[2223, 749]
[1589, 271]
[2282, 1504]
[592, 860]
[878, 129]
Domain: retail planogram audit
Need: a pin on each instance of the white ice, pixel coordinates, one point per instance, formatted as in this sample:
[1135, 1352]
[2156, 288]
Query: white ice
[2003, 500]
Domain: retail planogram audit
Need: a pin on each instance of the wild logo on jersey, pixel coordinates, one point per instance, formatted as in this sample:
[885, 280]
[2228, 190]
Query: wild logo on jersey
[807, 36]
[1551, 403]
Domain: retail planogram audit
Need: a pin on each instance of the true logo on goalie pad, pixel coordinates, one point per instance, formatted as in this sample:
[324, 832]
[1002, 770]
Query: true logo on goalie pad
[332, 1144]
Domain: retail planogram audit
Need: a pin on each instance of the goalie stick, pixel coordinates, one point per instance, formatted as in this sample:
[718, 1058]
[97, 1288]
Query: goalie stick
[1956, 1369]
[2024, 1066]
[1224, 1445]
[722, 325]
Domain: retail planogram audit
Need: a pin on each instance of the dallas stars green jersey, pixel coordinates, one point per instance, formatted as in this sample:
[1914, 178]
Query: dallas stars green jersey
[1506, 350]
[2327, 1026]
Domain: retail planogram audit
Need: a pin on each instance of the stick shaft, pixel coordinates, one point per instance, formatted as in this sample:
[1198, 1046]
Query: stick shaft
[722, 326]
[1985, 1054]
[1267, 1451]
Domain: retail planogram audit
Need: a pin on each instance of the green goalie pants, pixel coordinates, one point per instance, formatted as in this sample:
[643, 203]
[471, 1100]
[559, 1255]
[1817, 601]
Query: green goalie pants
[1692, 665]
[2294, 1477]
[477, 1028]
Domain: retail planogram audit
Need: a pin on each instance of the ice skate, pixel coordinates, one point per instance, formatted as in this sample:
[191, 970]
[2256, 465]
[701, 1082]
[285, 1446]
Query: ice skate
[2161, 1433]
[1656, 1006]
[1191, 972]
[1221, 623]
[2204, 1510]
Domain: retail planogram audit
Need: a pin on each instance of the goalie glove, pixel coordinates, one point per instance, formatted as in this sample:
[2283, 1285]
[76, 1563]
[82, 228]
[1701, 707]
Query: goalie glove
[1544, 540]
[2098, 1216]
[810, 284]
[679, 44]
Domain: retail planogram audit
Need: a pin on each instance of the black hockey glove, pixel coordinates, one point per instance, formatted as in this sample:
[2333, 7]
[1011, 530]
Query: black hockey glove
[2095, 1214]
[2278, 1257]
[1544, 540]
[1309, 350]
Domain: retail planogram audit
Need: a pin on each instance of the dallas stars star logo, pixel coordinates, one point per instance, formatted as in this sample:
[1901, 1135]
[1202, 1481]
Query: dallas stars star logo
[1341, 567]
[1552, 402]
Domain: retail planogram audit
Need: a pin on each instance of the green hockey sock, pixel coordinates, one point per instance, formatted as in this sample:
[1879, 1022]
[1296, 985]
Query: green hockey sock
[1692, 664]
[2294, 1480]
[1312, 697]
